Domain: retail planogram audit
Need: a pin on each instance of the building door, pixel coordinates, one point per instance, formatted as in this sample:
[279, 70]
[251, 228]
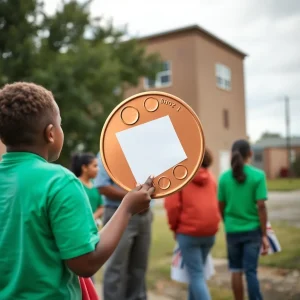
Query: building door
[224, 160]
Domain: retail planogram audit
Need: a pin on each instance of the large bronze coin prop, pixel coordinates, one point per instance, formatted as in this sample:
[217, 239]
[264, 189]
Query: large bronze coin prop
[141, 109]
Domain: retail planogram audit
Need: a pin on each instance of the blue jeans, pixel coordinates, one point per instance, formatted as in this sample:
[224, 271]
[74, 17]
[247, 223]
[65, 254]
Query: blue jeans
[194, 253]
[243, 254]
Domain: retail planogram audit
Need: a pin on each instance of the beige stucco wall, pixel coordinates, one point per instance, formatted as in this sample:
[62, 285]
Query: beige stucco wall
[213, 100]
[277, 159]
[193, 58]
[180, 50]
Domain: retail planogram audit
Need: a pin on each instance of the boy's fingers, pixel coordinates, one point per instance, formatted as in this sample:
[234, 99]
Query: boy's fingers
[138, 187]
[151, 190]
[149, 183]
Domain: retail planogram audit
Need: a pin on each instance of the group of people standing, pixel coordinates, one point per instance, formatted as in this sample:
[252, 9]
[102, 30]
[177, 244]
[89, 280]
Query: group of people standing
[239, 200]
[194, 216]
[48, 235]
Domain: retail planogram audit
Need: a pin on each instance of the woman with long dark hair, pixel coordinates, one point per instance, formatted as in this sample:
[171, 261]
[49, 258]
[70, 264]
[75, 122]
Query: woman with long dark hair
[242, 194]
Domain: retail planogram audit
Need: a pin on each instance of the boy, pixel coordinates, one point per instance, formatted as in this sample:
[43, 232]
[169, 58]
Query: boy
[48, 235]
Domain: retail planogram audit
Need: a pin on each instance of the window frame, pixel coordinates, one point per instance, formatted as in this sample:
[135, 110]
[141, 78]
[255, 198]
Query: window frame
[158, 83]
[223, 76]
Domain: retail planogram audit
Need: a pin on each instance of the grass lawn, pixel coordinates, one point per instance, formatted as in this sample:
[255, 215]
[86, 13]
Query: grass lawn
[163, 243]
[284, 184]
[160, 257]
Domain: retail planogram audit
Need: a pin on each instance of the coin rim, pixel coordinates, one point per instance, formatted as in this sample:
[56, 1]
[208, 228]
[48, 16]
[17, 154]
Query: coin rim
[153, 93]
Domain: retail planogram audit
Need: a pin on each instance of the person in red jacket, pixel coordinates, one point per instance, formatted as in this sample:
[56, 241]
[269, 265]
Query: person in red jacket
[194, 218]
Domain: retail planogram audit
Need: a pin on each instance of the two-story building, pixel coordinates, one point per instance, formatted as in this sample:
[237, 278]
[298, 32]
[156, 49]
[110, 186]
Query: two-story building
[208, 74]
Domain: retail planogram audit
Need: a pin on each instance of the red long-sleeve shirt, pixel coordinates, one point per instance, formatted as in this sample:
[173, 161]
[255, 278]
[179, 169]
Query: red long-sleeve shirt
[194, 210]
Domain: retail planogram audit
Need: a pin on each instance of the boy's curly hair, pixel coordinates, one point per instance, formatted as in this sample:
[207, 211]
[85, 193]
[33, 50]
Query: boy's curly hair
[24, 109]
[207, 159]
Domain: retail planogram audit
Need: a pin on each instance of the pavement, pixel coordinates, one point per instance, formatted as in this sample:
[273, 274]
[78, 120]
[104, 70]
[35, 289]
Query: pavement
[284, 206]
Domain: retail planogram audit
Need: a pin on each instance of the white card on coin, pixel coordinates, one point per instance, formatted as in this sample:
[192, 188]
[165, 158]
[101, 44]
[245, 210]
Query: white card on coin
[151, 148]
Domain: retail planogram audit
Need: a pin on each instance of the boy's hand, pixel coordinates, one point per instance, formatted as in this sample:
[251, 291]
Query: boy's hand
[139, 199]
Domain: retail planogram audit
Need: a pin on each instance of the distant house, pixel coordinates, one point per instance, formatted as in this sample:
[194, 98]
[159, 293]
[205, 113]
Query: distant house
[271, 155]
[208, 74]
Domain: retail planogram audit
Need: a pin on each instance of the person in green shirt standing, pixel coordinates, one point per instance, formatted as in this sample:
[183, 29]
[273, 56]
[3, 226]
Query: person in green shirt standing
[242, 193]
[85, 167]
[48, 236]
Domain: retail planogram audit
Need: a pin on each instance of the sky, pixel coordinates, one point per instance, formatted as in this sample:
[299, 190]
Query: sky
[268, 31]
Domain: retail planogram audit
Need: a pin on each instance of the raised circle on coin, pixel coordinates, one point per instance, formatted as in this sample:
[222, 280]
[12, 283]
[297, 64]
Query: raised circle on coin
[164, 183]
[180, 172]
[151, 104]
[130, 115]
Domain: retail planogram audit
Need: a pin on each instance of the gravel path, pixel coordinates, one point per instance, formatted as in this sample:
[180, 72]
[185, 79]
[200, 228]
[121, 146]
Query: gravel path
[285, 207]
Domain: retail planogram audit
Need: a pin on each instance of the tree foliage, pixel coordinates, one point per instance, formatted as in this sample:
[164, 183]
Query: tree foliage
[85, 64]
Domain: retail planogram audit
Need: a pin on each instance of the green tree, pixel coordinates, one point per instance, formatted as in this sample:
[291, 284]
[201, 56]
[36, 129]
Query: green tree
[85, 64]
[18, 31]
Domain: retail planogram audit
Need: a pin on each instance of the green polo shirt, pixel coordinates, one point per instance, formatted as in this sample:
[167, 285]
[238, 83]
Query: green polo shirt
[45, 218]
[240, 199]
[94, 197]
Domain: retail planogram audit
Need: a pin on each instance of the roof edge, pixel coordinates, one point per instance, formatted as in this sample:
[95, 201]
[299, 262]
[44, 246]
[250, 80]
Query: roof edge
[189, 28]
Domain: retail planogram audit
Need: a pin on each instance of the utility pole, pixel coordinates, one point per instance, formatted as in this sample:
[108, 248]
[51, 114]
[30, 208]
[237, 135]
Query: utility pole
[288, 133]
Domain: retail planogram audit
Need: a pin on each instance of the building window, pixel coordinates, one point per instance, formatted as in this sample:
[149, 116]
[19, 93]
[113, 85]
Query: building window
[162, 79]
[223, 77]
[258, 157]
[226, 118]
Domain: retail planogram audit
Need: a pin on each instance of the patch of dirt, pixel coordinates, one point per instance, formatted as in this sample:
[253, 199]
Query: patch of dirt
[276, 284]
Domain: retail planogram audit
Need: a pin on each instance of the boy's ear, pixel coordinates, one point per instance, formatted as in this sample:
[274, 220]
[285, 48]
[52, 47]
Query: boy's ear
[49, 134]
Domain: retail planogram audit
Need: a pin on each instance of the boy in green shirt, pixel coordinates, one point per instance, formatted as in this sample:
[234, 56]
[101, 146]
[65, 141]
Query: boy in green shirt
[48, 235]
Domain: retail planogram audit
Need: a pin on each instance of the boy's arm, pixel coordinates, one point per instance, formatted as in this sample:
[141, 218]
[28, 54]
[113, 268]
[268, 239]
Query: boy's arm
[74, 228]
[88, 264]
